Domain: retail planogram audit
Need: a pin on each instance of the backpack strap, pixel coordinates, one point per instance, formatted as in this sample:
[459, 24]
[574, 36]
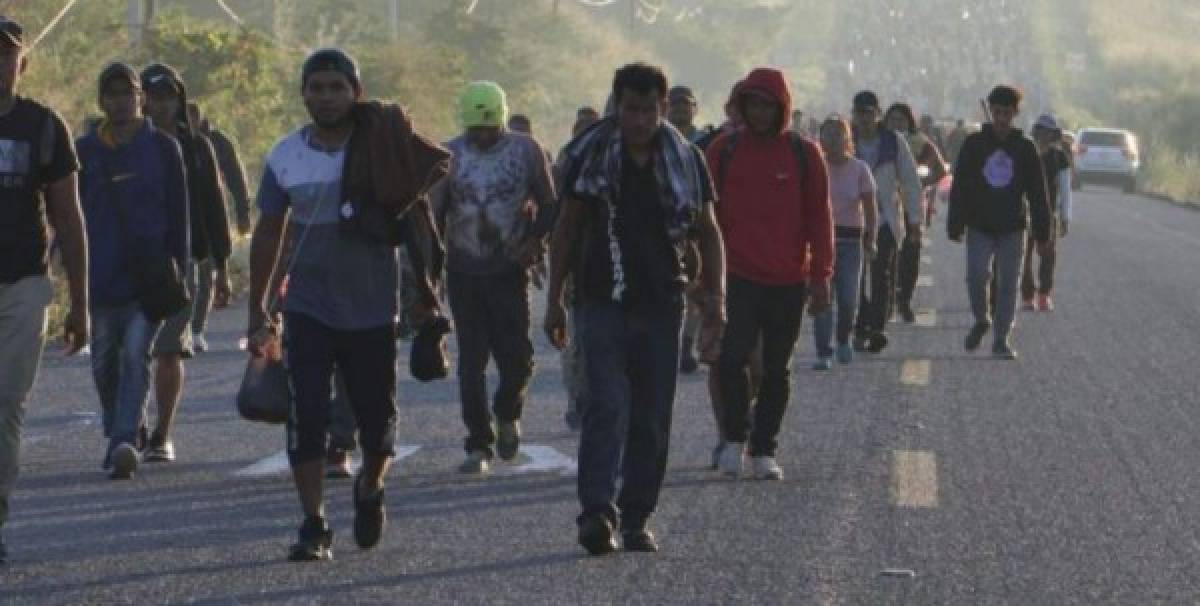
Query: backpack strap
[723, 159]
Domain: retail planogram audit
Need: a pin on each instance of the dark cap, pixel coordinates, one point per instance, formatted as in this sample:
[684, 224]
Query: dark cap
[866, 100]
[159, 77]
[11, 32]
[681, 93]
[330, 59]
[116, 70]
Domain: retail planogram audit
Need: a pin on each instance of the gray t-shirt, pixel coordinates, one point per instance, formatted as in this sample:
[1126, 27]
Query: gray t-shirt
[336, 277]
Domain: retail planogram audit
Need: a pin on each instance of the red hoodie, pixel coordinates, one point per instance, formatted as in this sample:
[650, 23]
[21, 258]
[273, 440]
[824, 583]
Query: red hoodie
[777, 224]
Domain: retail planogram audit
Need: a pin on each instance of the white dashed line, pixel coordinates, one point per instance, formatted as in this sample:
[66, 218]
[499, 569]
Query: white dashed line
[925, 281]
[927, 318]
[915, 373]
[914, 478]
[277, 464]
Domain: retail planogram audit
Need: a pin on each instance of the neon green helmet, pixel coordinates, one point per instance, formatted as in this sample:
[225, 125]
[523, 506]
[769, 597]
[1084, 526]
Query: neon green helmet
[483, 103]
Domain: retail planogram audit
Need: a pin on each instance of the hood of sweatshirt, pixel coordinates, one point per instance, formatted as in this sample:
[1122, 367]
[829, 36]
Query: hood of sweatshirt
[772, 83]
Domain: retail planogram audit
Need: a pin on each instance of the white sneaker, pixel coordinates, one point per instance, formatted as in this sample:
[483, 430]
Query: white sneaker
[732, 459]
[765, 468]
[199, 344]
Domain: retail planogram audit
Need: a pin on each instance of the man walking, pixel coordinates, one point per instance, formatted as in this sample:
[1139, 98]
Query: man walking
[899, 199]
[341, 299]
[999, 191]
[37, 190]
[1057, 167]
[135, 200]
[638, 191]
[777, 226]
[166, 106]
[491, 246]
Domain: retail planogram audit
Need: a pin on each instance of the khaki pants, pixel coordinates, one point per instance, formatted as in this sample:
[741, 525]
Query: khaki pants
[22, 335]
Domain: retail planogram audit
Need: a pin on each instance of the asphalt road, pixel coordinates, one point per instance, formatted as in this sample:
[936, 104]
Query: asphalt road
[919, 476]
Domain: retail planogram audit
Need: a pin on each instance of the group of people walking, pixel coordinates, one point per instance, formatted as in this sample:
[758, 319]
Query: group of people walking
[664, 246]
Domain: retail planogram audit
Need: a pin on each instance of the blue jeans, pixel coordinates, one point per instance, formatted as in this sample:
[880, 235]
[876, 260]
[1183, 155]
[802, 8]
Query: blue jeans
[847, 272]
[121, 340]
[631, 356]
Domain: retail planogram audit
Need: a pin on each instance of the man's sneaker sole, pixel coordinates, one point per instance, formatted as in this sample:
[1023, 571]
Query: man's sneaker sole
[309, 553]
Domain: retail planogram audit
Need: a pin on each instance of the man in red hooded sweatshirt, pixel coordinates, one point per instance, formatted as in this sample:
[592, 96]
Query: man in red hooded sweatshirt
[775, 216]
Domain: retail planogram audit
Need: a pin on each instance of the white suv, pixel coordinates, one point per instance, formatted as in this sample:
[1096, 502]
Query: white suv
[1104, 155]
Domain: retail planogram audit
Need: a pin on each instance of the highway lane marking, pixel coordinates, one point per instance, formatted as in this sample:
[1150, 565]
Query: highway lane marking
[534, 458]
[927, 318]
[925, 281]
[926, 259]
[915, 373]
[277, 464]
[914, 478]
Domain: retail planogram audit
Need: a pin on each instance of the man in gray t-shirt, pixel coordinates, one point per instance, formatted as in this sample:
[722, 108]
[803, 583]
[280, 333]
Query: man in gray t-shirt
[495, 207]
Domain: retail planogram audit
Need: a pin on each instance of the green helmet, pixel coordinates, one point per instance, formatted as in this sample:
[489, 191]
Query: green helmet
[483, 104]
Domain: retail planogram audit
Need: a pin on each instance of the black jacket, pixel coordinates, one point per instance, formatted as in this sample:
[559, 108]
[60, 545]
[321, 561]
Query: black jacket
[999, 186]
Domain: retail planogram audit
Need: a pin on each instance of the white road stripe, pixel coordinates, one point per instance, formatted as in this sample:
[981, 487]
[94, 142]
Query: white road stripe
[925, 281]
[536, 459]
[915, 373]
[926, 259]
[277, 464]
[914, 478]
[926, 318]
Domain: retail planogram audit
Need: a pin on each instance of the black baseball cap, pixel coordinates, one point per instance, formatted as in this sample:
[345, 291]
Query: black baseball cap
[11, 32]
[866, 100]
[681, 93]
[117, 70]
[159, 77]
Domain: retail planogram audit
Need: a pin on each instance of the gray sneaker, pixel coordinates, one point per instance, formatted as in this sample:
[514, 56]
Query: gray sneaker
[508, 440]
[766, 468]
[478, 463]
[732, 459]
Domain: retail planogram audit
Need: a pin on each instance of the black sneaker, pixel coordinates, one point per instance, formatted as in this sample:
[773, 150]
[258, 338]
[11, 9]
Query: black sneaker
[370, 517]
[315, 542]
[125, 459]
[508, 440]
[1003, 351]
[639, 539]
[596, 535]
[860, 343]
[877, 342]
[907, 314]
[975, 337]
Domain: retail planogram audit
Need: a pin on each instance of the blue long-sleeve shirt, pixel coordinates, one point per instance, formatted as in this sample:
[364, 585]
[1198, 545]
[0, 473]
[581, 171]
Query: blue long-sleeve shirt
[145, 177]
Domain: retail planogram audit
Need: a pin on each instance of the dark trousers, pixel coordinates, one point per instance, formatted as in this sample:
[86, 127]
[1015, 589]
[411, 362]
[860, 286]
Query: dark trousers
[367, 361]
[491, 320]
[1048, 256]
[875, 308]
[631, 356]
[908, 269]
[774, 314]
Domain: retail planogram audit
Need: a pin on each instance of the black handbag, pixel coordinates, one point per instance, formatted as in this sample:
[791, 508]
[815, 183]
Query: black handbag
[158, 282]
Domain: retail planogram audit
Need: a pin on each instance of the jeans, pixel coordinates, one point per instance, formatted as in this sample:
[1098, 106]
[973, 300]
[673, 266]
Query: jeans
[22, 333]
[204, 294]
[1006, 250]
[491, 319]
[367, 362]
[875, 308]
[632, 359]
[573, 370]
[1048, 257]
[908, 269]
[774, 314]
[847, 272]
[121, 341]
